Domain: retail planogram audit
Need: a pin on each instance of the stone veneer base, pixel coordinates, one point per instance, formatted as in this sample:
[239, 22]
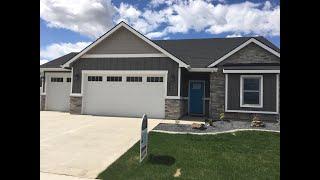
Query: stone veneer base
[75, 105]
[175, 108]
[43, 102]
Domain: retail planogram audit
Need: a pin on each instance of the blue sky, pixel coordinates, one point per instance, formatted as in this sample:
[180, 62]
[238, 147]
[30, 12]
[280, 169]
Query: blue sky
[67, 26]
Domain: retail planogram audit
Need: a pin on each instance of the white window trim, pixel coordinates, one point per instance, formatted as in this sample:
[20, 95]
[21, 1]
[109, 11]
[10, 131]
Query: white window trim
[252, 40]
[114, 29]
[250, 71]
[260, 105]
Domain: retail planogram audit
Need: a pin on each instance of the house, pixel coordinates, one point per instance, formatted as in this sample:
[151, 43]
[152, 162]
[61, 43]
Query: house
[123, 73]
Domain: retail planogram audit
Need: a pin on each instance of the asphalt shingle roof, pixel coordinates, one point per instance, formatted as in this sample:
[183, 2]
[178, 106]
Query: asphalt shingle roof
[198, 53]
[56, 63]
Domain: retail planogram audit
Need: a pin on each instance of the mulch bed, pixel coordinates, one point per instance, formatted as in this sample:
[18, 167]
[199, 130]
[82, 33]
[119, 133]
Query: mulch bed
[220, 126]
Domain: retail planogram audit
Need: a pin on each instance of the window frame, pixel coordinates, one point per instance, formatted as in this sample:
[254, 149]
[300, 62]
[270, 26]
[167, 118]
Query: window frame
[242, 91]
[95, 78]
[56, 79]
[114, 78]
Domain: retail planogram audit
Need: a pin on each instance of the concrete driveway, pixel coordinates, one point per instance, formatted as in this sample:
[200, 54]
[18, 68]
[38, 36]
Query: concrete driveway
[83, 145]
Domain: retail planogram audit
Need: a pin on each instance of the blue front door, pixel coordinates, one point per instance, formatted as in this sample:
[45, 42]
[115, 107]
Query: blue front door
[196, 95]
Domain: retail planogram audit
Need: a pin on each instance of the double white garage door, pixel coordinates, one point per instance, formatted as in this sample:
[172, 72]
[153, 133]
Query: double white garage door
[124, 93]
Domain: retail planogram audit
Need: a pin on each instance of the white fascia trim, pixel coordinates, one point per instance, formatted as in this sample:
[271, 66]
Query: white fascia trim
[123, 55]
[76, 94]
[122, 24]
[252, 112]
[260, 105]
[54, 69]
[252, 40]
[203, 69]
[250, 71]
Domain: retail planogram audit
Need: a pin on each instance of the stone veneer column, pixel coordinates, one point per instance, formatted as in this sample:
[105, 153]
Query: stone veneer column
[175, 108]
[217, 94]
[43, 102]
[75, 104]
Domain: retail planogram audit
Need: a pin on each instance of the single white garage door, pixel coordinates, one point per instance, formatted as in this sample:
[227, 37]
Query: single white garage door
[129, 94]
[58, 86]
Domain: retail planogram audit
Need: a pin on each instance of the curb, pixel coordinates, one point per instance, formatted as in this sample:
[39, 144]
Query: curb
[213, 133]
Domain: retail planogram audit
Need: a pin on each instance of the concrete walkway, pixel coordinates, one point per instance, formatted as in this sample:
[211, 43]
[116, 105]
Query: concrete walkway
[82, 146]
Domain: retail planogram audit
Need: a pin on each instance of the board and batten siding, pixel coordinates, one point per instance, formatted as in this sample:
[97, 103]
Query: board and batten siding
[122, 42]
[151, 63]
[269, 93]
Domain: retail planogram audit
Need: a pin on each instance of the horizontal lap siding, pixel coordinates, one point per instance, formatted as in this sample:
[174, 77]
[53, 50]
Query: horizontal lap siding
[153, 63]
[269, 93]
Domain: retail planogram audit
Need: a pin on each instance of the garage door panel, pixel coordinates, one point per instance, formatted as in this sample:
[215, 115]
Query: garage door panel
[57, 93]
[131, 99]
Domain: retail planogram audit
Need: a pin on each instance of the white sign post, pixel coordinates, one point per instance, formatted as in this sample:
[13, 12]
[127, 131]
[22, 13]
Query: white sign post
[144, 138]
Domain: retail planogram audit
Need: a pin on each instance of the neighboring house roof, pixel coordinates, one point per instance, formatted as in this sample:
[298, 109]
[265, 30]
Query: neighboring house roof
[200, 53]
[56, 63]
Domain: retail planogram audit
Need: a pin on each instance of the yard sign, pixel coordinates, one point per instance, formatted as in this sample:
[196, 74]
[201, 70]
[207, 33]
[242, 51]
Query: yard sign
[144, 137]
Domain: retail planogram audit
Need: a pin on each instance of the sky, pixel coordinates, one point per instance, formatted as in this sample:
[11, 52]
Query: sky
[70, 25]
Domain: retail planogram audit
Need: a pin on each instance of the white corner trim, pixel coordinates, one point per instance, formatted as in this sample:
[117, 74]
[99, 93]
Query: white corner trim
[278, 93]
[253, 112]
[76, 94]
[123, 55]
[251, 40]
[203, 69]
[250, 71]
[179, 80]
[122, 24]
[260, 105]
[226, 93]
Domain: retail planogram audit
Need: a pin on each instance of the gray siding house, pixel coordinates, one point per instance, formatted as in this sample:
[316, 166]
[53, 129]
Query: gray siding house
[123, 73]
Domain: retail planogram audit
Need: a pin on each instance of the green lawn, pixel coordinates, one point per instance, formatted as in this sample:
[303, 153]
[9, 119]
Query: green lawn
[242, 155]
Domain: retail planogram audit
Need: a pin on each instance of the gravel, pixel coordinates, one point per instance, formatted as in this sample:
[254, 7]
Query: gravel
[219, 127]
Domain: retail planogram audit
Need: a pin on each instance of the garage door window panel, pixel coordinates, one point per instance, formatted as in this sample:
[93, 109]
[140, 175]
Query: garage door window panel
[134, 79]
[154, 79]
[56, 79]
[94, 78]
[114, 78]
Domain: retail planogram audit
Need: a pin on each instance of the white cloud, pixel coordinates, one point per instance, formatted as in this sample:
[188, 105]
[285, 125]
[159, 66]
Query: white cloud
[95, 17]
[233, 35]
[42, 61]
[87, 17]
[56, 50]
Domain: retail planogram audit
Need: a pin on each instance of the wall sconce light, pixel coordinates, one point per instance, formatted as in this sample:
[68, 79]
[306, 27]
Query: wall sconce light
[77, 77]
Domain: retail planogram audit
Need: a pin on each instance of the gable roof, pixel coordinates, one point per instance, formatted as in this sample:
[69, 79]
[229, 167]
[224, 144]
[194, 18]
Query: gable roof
[200, 53]
[123, 24]
[56, 63]
[195, 53]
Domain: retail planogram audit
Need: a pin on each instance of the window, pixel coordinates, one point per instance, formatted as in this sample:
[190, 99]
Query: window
[154, 79]
[68, 79]
[114, 78]
[94, 78]
[251, 87]
[56, 79]
[134, 79]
